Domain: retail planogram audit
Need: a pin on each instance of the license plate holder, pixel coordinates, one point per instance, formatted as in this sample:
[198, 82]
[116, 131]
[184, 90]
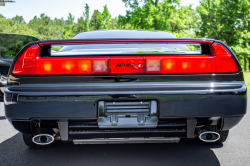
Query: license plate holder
[127, 114]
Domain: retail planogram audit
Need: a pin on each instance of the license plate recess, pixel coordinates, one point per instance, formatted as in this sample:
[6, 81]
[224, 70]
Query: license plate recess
[127, 114]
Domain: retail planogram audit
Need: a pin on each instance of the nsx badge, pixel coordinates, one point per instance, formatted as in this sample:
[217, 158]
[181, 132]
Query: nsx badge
[127, 65]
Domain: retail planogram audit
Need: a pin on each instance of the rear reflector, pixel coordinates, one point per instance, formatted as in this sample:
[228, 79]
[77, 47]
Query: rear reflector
[30, 63]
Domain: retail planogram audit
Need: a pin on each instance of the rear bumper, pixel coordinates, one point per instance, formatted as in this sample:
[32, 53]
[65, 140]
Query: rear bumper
[227, 100]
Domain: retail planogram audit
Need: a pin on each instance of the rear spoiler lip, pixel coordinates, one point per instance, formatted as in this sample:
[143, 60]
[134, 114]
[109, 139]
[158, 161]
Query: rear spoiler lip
[82, 41]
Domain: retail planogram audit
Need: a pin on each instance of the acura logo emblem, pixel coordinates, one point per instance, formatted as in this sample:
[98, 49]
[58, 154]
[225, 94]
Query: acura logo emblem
[127, 65]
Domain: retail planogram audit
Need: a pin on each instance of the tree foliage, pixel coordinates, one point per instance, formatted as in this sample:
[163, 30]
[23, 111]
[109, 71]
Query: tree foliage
[45, 28]
[95, 22]
[11, 44]
[102, 20]
[165, 15]
[68, 32]
[227, 20]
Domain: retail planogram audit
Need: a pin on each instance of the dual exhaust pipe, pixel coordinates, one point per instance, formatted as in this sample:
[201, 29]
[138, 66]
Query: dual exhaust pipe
[46, 139]
[209, 136]
[43, 139]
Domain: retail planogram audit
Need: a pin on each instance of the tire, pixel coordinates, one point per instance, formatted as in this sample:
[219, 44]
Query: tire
[27, 138]
[223, 136]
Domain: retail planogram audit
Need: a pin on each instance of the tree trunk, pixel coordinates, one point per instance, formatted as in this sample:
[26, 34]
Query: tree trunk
[155, 2]
[155, 24]
[245, 64]
[249, 64]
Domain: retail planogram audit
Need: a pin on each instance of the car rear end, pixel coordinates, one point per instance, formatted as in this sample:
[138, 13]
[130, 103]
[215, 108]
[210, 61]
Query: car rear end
[125, 90]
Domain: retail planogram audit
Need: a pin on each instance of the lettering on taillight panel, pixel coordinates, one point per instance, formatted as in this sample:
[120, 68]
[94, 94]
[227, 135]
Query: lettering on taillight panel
[128, 65]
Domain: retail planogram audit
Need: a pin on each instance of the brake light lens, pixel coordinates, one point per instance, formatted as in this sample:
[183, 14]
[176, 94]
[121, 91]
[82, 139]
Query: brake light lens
[30, 63]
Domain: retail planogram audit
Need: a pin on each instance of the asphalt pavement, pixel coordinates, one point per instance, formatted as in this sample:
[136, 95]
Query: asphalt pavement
[235, 151]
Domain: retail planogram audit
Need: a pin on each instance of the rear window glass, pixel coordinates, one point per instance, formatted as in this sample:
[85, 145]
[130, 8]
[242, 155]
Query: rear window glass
[138, 48]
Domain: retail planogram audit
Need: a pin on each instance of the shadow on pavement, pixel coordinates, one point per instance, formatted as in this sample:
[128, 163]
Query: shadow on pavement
[14, 152]
[2, 118]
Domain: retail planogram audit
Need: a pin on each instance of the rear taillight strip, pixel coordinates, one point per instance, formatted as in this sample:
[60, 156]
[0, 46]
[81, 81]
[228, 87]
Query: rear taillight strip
[31, 64]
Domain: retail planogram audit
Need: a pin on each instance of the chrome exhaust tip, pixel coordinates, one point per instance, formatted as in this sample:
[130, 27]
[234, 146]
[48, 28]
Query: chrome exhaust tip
[43, 139]
[209, 136]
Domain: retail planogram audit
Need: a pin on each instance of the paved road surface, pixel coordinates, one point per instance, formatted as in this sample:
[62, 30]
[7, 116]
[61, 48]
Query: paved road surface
[236, 151]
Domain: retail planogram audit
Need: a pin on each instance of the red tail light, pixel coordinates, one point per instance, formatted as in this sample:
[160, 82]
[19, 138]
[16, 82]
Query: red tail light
[182, 65]
[26, 64]
[225, 62]
[30, 63]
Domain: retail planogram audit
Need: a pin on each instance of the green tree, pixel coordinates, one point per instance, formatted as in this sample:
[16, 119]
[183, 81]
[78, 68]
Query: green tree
[152, 14]
[11, 26]
[94, 22]
[227, 20]
[18, 19]
[79, 26]
[105, 18]
[57, 28]
[11, 44]
[184, 18]
[114, 23]
[46, 28]
[68, 32]
[1, 16]
[101, 20]
[83, 23]
[86, 22]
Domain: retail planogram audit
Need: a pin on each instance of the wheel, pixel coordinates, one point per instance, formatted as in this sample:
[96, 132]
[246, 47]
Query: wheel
[28, 141]
[223, 136]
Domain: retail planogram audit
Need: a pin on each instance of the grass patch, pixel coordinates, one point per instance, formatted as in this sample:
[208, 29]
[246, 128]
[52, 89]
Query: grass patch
[247, 80]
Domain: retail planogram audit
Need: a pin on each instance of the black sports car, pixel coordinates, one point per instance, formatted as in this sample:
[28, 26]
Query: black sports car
[126, 86]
